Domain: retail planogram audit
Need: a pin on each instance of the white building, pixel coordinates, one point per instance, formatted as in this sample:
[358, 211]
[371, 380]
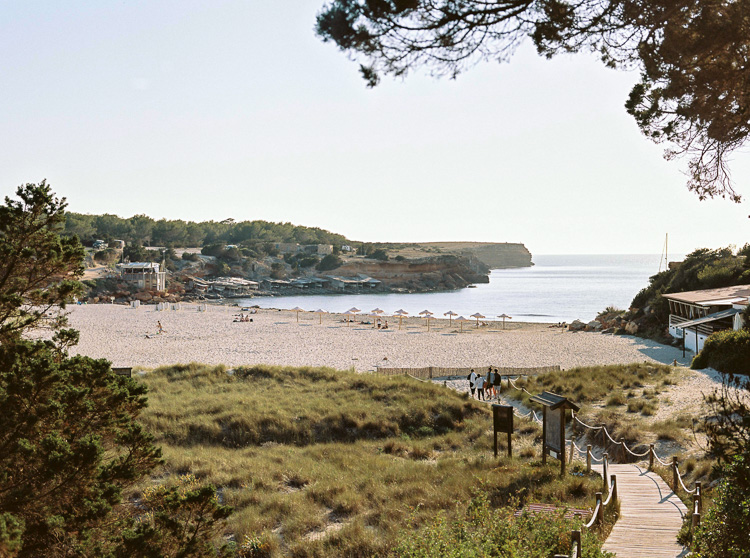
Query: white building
[695, 315]
[145, 275]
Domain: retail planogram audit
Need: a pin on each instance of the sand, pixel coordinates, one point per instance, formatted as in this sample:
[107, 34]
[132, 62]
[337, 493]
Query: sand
[127, 337]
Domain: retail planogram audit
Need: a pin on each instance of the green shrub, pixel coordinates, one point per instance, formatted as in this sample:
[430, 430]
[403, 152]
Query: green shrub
[483, 531]
[329, 262]
[724, 530]
[727, 351]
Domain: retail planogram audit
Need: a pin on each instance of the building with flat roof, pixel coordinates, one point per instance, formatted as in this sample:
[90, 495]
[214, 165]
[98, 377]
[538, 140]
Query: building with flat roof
[147, 276]
[695, 315]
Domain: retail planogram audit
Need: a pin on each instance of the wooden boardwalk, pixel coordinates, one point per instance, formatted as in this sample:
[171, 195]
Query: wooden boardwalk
[650, 516]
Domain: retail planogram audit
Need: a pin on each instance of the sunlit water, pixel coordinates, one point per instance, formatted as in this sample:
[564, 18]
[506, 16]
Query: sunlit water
[557, 288]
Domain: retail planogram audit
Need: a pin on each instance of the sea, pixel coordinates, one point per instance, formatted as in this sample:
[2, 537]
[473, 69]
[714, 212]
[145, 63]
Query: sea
[557, 288]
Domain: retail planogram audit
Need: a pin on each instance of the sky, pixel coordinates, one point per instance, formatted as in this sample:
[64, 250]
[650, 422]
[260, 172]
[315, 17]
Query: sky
[210, 110]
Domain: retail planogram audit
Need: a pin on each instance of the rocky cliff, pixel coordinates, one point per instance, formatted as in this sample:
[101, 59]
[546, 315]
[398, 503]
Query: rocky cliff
[496, 255]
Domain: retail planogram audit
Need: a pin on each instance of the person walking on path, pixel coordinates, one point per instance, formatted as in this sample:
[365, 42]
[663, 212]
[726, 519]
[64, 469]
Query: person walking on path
[480, 388]
[158, 325]
[472, 382]
[490, 383]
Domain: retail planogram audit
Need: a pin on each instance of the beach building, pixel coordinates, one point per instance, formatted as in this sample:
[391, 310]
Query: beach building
[223, 286]
[353, 283]
[695, 315]
[145, 275]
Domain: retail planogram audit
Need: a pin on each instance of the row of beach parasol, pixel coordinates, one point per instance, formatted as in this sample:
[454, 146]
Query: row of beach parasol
[377, 313]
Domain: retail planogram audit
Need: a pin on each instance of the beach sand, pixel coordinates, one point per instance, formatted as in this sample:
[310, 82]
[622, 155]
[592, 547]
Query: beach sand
[128, 337]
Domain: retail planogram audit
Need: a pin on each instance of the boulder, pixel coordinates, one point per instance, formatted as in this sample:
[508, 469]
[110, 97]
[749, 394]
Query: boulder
[143, 296]
[576, 325]
[594, 325]
[608, 330]
[631, 328]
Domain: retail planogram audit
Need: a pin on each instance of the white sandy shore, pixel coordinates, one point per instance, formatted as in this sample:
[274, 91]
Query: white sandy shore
[119, 333]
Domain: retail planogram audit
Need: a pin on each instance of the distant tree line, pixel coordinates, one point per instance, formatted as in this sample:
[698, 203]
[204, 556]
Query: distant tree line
[141, 230]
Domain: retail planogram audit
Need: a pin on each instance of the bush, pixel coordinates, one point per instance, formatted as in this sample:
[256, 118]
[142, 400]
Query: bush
[329, 262]
[725, 529]
[726, 351]
[379, 255]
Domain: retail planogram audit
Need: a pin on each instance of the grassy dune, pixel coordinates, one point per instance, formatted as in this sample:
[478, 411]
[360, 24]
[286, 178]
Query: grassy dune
[318, 462]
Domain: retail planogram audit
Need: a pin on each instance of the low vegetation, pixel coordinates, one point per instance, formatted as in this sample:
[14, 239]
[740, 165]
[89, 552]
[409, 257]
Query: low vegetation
[727, 351]
[317, 462]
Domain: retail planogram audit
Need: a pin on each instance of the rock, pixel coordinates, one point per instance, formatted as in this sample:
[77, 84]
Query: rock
[631, 328]
[143, 296]
[576, 325]
[594, 325]
[608, 330]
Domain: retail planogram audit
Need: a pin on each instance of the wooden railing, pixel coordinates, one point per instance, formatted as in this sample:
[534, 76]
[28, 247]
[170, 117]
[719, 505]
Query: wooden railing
[677, 482]
[597, 518]
[441, 372]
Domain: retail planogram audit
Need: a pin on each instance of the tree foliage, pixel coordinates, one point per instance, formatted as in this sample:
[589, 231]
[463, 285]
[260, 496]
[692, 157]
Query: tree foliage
[725, 528]
[71, 448]
[693, 57]
[38, 268]
[142, 230]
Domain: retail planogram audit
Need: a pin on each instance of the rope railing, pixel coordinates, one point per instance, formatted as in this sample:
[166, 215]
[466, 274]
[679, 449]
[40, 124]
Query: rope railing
[597, 518]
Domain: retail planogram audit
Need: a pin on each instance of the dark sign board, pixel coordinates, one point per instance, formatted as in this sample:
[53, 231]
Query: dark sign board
[502, 419]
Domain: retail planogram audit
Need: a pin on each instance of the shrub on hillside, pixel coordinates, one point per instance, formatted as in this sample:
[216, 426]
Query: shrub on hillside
[724, 530]
[328, 263]
[727, 351]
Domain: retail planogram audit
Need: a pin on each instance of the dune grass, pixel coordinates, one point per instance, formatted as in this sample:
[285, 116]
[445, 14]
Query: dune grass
[318, 462]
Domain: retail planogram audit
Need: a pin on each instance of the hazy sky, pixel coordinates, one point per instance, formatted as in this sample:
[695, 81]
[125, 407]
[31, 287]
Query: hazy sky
[208, 110]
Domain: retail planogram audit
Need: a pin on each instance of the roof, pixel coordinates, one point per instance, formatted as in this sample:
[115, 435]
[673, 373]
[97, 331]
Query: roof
[554, 401]
[709, 297]
[140, 265]
[710, 318]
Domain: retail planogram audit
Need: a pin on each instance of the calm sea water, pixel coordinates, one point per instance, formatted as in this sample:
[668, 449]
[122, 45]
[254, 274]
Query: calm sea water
[557, 288]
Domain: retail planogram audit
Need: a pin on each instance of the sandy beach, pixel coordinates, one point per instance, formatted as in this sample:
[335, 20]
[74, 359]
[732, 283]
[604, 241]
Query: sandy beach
[128, 337]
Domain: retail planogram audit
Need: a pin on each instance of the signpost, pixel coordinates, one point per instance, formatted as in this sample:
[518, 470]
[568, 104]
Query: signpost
[502, 419]
[553, 424]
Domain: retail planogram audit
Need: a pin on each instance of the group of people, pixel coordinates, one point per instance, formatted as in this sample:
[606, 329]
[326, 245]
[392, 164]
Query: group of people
[484, 386]
[381, 325]
[243, 318]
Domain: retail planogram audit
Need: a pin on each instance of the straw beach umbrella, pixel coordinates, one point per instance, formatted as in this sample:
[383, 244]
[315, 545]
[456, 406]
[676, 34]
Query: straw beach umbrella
[348, 315]
[320, 313]
[477, 316]
[427, 314]
[298, 310]
[461, 320]
[400, 313]
[504, 316]
[450, 314]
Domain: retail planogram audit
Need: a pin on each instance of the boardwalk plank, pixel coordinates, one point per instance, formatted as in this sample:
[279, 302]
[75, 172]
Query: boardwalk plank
[650, 516]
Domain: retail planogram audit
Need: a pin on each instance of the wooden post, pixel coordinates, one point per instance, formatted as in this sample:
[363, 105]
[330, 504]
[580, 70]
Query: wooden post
[600, 513]
[622, 451]
[544, 435]
[650, 456]
[699, 494]
[605, 469]
[588, 458]
[614, 487]
[675, 474]
[575, 538]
